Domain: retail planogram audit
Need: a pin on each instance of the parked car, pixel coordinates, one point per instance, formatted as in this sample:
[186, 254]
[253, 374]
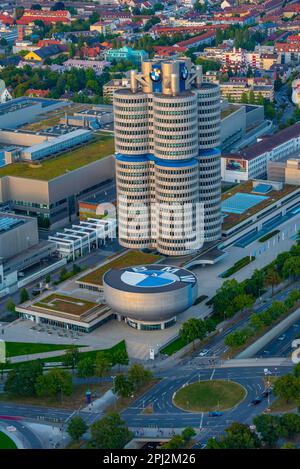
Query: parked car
[215, 413]
[256, 401]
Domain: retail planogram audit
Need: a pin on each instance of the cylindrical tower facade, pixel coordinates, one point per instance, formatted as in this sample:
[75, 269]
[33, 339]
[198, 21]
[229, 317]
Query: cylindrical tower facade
[167, 128]
[209, 122]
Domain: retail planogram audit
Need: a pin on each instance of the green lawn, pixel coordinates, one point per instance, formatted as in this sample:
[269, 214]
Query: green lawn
[13, 349]
[59, 165]
[205, 396]
[268, 236]
[111, 351]
[129, 258]
[174, 346]
[6, 442]
[237, 266]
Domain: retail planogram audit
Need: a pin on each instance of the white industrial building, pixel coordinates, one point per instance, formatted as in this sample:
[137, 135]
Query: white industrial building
[81, 239]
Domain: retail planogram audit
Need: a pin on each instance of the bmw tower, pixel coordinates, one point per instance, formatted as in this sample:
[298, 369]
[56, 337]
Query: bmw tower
[168, 167]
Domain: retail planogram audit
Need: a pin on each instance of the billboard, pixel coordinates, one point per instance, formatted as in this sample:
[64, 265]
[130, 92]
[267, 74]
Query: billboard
[233, 164]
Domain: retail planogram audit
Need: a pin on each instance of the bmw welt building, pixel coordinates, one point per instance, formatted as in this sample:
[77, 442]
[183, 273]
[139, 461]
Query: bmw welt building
[150, 297]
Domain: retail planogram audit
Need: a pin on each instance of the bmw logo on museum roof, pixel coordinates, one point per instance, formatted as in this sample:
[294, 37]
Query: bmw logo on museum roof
[150, 293]
[152, 278]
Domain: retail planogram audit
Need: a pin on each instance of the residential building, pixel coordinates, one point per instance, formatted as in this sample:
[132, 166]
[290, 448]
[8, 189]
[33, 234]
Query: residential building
[39, 55]
[126, 53]
[4, 93]
[285, 171]
[235, 89]
[113, 85]
[47, 16]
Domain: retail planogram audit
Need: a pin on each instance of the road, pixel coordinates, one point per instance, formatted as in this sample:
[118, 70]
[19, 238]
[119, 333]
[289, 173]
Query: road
[281, 97]
[281, 346]
[216, 346]
[166, 415]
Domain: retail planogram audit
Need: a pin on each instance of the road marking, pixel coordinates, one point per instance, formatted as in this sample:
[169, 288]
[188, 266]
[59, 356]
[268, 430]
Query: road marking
[212, 375]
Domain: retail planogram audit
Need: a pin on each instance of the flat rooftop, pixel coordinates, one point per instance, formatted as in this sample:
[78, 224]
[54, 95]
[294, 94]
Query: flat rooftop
[8, 223]
[65, 304]
[268, 143]
[56, 166]
[130, 258]
[232, 219]
[67, 307]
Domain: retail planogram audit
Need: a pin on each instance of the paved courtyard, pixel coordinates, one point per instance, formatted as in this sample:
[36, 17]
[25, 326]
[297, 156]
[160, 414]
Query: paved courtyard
[139, 342]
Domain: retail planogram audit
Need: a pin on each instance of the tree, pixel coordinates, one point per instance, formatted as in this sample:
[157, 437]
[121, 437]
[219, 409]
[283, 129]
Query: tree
[63, 273]
[297, 370]
[238, 337]
[123, 386]
[269, 428]
[71, 357]
[55, 383]
[238, 436]
[138, 375]
[254, 285]
[291, 268]
[272, 278]
[120, 357]
[176, 442]
[24, 295]
[223, 300]
[110, 432]
[85, 367]
[77, 428]
[256, 321]
[102, 363]
[287, 387]
[21, 381]
[242, 301]
[290, 424]
[188, 433]
[192, 330]
[10, 306]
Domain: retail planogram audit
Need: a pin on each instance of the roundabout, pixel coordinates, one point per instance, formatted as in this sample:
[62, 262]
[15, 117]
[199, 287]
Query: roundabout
[209, 396]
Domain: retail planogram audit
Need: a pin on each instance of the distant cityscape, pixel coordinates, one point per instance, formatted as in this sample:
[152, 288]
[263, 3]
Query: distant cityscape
[150, 226]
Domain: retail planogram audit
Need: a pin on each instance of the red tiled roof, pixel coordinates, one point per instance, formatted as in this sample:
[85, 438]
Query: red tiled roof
[194, 40]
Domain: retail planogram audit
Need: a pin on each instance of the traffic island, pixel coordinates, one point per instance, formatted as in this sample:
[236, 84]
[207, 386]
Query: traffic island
[209, 396]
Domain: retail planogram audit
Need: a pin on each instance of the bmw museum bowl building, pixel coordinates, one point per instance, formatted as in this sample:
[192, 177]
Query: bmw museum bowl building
[149, 297]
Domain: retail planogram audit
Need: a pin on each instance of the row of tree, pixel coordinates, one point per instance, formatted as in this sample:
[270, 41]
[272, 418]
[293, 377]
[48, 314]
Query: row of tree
[259, 321]
[234, 296]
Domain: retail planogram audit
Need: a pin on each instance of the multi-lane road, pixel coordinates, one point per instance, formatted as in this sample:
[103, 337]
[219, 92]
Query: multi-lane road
[166, 415]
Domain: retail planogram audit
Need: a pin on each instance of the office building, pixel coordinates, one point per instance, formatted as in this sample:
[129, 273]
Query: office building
[252, 162]
[167, 133]
[22, 258]
[285, 171]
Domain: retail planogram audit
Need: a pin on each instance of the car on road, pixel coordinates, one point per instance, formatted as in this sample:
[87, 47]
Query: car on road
[282, 337]
[256, 401]
[203, 352]
[215, 413]
[266, 393]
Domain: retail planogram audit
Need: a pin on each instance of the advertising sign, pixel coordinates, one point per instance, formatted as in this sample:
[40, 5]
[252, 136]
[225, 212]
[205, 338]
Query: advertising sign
[233, 164]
